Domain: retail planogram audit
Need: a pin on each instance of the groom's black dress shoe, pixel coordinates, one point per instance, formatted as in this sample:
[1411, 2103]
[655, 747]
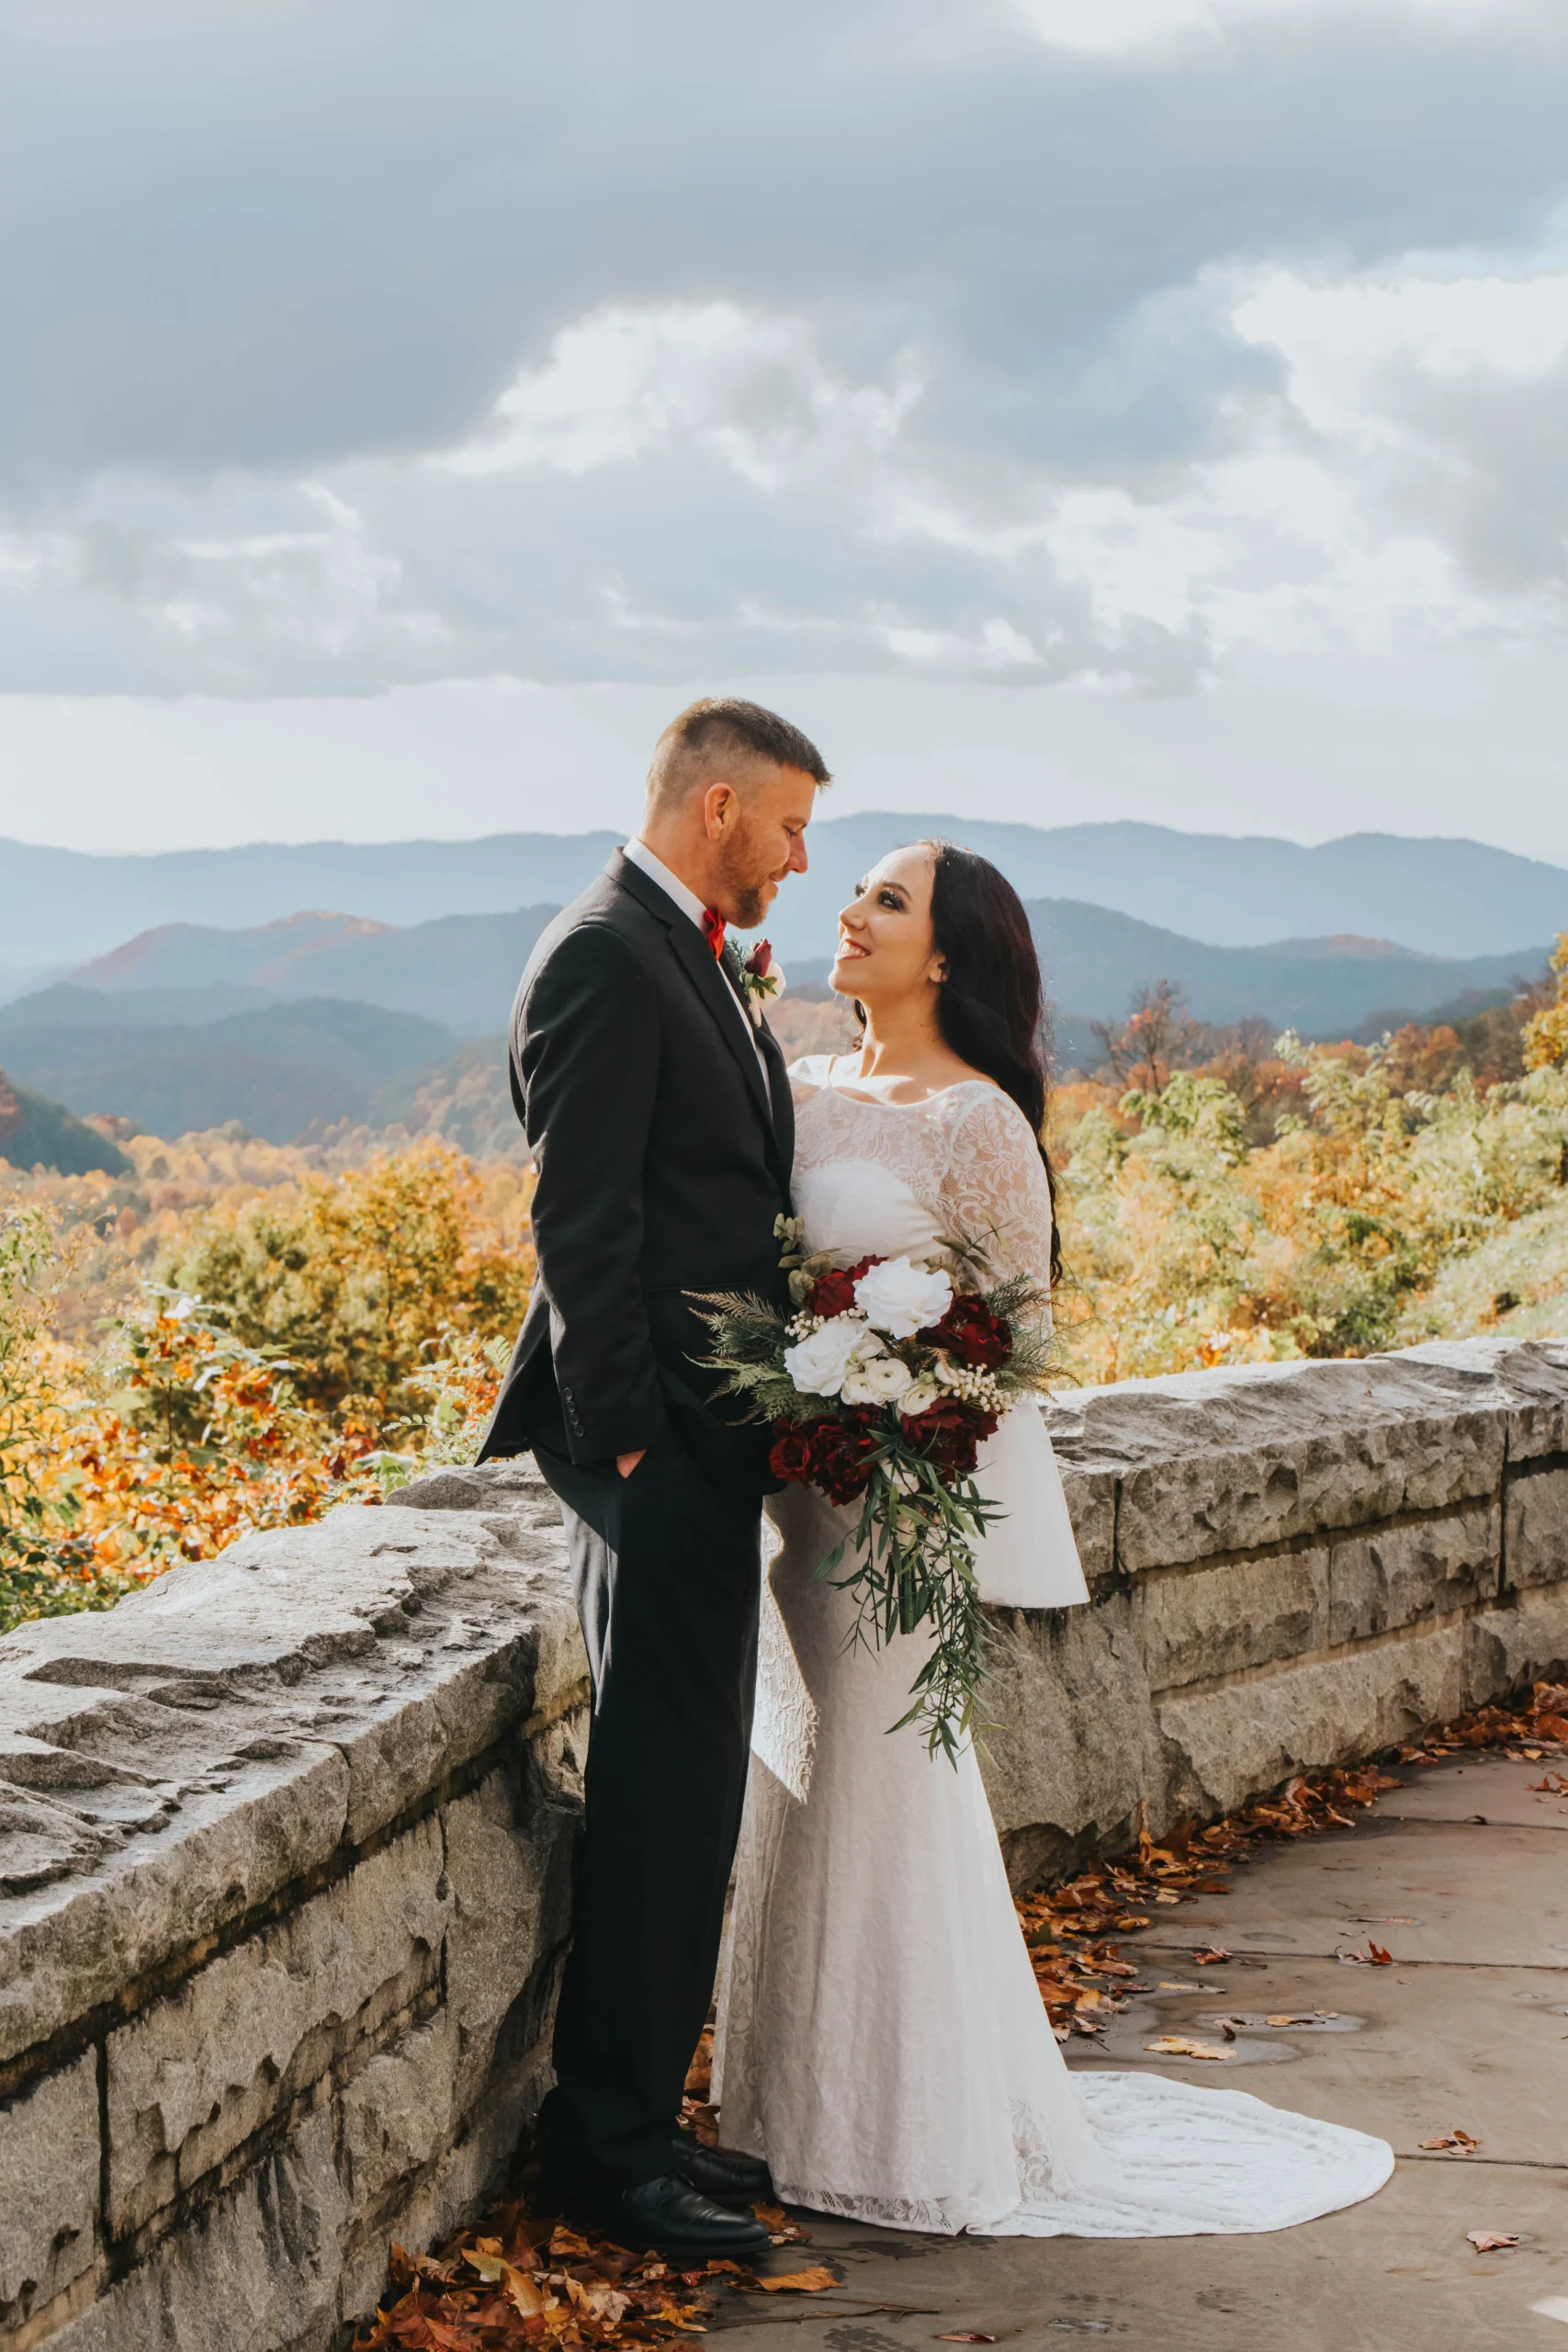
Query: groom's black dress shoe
[728, 2179]
[673, 2217]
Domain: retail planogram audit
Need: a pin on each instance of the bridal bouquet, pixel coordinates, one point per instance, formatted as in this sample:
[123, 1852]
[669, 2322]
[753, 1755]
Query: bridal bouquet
[882, 1386]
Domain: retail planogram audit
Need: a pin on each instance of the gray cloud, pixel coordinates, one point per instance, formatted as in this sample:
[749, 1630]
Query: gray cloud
[395, 342]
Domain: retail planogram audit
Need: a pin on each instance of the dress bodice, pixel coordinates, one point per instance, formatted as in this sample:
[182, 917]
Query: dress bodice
[888, 1180]
[905, 1178]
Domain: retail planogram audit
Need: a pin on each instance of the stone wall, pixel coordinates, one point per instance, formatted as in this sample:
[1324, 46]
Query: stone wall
[285, 1840]
[1292, 1565]
[284, 1846]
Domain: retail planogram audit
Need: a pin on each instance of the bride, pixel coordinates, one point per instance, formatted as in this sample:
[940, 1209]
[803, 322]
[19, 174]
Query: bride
[881, 2039]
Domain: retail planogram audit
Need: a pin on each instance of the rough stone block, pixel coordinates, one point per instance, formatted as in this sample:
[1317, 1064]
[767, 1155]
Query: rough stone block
[508, 1849]
[424, 2209]
[1091, 1506]
[1529, 1379]
[1232, 1743]
[1526, 1640]
[397, 2115]
[258, 2270]
[1194, 1624]
[1073, 1747]
[231, 1845]
[1242, 1499]
[1395, 1575]
[198, 2071]
[48, 2188]
[1231, 1461]
[1535, 1541]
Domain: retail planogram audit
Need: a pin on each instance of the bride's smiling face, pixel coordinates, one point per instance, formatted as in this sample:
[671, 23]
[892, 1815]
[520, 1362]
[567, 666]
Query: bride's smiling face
[886, 946]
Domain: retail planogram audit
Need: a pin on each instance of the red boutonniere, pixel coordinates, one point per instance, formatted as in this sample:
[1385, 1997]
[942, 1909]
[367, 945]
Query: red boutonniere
[761, 977]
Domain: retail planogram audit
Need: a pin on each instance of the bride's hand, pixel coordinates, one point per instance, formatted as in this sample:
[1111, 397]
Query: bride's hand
[627, 1463]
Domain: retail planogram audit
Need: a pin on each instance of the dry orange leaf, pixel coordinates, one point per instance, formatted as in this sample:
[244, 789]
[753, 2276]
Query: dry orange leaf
[1180, 2046]
[1490, 2241]
[1459, 2141]
[1211, 1956]
[800, 2282]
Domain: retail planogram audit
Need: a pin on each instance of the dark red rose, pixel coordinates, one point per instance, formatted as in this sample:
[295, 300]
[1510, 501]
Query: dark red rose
[842, 1451]
[834, 1294]
[759, 962]
[950, 1434]
[970, 1331]
[790, 1456]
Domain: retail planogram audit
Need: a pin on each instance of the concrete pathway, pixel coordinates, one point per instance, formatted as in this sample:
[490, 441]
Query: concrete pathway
[1462, 1875]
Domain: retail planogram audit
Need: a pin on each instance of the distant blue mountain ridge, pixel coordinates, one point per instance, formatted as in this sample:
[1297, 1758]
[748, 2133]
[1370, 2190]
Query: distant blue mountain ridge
[63, 908]
[461, 971]
[282, 1053]
[303, 1019]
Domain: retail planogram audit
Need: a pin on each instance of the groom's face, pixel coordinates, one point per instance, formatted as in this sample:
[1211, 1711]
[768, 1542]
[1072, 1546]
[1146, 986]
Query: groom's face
[764, 840]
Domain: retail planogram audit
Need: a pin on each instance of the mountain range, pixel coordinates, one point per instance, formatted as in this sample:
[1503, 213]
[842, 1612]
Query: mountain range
[277, 1069]
[306, 1018]
[63, 908]
[462, 970]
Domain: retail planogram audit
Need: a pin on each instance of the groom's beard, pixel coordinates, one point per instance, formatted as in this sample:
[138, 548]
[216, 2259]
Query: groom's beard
[747, 894]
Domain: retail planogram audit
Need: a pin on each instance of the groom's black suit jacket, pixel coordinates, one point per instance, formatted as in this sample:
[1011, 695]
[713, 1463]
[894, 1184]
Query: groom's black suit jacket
[663, 1160]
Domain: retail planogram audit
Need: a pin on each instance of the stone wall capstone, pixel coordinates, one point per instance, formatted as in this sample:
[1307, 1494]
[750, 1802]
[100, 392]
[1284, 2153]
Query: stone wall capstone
[286, 1839]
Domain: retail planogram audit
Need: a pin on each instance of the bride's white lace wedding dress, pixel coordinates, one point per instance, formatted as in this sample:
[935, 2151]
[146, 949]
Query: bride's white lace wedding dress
[881, 2039]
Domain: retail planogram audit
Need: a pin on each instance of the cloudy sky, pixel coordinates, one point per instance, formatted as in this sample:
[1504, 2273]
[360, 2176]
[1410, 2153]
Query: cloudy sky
[1068, 408]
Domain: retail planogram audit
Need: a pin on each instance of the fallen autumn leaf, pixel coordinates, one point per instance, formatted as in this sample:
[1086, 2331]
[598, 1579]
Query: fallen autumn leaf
[1490, 2241]
[1180, 2046]
[800, 2282]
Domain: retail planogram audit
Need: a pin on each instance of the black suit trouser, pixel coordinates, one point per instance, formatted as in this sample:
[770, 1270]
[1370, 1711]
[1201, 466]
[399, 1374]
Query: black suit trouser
[667, 1568]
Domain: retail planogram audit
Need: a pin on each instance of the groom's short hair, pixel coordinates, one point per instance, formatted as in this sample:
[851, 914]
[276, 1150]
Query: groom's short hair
[720, 732]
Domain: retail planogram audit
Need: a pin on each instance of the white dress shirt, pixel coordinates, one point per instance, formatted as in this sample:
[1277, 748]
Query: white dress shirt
[691, 905]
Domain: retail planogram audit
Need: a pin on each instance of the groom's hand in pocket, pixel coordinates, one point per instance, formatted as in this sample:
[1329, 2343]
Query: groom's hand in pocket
[627, 1463]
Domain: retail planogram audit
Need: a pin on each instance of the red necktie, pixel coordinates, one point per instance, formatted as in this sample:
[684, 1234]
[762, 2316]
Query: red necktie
[713, 929]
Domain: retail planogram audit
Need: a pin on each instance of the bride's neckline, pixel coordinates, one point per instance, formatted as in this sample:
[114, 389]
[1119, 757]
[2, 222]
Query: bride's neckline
[874, 1103]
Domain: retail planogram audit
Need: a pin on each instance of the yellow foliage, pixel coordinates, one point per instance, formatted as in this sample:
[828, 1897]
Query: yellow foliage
[1188, 1244]
[351, 1277]
[236, 1337]
[1546, 1036]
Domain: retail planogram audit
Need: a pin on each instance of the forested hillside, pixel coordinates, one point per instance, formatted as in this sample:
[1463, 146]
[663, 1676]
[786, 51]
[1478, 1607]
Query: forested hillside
[217, 1333]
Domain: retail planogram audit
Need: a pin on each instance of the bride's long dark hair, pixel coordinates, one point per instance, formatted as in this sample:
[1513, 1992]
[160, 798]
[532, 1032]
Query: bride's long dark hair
[991, 1005]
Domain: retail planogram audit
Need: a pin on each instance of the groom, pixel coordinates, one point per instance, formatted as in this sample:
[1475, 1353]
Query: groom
[655, 1100]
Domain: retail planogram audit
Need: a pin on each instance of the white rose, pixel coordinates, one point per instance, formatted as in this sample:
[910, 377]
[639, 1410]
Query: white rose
[901, 1298]
[879, 1381]
[918, 1397]
[817, 1364]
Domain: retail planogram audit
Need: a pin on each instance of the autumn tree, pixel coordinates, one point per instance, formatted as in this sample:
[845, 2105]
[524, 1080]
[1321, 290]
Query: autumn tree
[1158, 1035]
[353, 1280]
[1546, 1034]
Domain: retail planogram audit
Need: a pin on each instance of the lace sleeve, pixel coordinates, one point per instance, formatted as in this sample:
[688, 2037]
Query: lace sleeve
[995, 1191]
